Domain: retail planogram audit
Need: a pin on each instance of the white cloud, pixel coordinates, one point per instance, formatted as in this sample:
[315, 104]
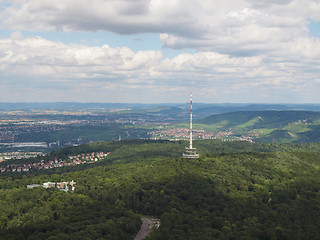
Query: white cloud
[253, 48]
[242, 27]
[55, 69]
[36, 56]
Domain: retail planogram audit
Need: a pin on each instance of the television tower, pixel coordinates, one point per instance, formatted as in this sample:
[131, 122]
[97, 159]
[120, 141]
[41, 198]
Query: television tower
[190, 151]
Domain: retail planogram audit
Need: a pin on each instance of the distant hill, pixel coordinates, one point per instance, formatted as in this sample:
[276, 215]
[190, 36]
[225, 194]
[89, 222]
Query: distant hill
[272, 126]
[75, 105]
[200, 109]
[260, 119]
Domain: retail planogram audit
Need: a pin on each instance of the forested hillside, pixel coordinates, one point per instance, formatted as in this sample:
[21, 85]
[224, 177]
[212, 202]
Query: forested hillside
[268, 126]
[271, 119]
[236, 190]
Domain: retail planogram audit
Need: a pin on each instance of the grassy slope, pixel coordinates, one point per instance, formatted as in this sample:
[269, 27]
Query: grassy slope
[279, 126]
[268, 119]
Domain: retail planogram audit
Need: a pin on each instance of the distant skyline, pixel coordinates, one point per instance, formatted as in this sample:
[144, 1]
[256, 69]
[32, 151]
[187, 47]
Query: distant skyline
[157, 51]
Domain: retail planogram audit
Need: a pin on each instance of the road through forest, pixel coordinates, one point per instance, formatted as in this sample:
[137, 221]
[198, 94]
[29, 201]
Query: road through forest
[146, 227]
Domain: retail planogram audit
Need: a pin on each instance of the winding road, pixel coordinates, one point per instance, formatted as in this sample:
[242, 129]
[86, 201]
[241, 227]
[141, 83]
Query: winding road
[146, 227]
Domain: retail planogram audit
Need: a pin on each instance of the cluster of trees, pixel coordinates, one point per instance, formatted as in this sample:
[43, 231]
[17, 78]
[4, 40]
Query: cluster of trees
[235, 190]
[52, 214]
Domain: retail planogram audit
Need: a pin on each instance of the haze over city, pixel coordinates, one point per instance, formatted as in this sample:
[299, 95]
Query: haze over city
[157, 51]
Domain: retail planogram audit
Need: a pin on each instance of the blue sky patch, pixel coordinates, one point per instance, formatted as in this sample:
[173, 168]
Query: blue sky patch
[314, 28]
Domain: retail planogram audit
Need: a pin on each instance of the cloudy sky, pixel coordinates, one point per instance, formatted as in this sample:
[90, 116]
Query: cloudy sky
[150, 51]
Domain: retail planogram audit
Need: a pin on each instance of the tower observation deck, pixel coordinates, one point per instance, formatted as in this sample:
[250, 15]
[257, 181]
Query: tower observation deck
[190, 151]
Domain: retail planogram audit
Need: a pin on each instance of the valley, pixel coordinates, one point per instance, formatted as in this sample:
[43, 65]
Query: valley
[256, 178]
[36, 129]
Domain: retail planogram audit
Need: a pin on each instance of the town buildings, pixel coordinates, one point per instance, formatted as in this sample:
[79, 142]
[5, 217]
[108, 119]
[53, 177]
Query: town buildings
[84, 158]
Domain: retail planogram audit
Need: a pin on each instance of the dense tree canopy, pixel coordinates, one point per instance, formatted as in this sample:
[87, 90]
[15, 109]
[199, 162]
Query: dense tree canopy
[235, 190]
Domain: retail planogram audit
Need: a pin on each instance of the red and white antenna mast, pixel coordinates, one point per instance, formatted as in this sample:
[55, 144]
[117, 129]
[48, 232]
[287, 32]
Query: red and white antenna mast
[191, 120]
[190, 152]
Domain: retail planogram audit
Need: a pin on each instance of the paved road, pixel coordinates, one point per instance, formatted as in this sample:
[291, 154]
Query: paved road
[147, 225]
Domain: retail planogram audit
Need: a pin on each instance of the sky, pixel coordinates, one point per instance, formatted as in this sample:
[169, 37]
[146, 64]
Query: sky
[157, 51]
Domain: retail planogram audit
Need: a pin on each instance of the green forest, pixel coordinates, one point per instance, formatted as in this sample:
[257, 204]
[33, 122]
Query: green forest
[235, 190]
